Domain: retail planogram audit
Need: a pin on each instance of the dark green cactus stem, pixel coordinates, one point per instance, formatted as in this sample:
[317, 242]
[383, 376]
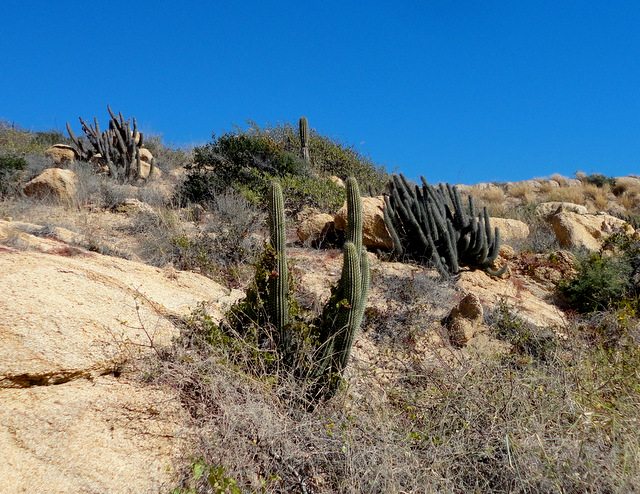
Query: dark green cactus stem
[431, 224]
[278, 304]
[354, 213]
[345, 326]
[119, 146]
[304, 139]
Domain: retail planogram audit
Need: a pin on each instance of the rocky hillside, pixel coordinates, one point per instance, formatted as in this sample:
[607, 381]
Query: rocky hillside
[115, 376]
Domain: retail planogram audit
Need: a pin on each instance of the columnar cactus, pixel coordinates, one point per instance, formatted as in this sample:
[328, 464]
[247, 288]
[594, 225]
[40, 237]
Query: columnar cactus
[341, 318]
[304, 139]
[430, 224]
[278, 302]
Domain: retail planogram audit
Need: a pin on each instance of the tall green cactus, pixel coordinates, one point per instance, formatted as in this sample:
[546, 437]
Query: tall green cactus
[304, 139]
[278, 302]
[331, 334]
[341, 318]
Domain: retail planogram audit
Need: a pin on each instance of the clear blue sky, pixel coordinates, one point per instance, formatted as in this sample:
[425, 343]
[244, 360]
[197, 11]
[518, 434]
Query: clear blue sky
[460, 91]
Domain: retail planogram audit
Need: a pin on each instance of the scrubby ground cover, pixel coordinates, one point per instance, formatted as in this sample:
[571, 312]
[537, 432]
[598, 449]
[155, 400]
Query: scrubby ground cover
[550, 410]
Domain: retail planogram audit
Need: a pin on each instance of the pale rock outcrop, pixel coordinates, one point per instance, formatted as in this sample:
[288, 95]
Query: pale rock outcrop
[337, 180]
[534, 185]
[490, 290]
[145, 155]
[314, 228]
[84, 311]
[374, 231]
[53, 184]
[587, 231]
[108, 435]
[145, 169]
[75, 318]
[510, 229]
[545, 209]
[464, 320]
[61, 154]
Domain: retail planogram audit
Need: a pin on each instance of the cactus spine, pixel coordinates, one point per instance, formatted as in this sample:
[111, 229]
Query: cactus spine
[304, 139]
[278, 301]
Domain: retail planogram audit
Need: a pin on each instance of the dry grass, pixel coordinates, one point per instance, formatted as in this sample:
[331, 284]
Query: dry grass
[523, 191]
[597, 197]
[551, 416]
[574, 195]
[561, 179]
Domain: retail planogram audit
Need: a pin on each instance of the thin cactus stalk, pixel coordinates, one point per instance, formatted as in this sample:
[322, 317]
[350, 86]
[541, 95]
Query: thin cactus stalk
[278, 303]
[304, 139]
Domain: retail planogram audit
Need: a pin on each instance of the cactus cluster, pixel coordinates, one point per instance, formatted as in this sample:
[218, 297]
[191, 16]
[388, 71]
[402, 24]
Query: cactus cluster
[118, 147]
[304, 139]
[341, 318]
[431, 224]
[333, 331]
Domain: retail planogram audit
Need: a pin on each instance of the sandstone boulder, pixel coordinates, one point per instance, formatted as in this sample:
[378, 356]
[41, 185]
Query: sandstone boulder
[464, 320]
[337, 180]
[510, 229]
[315, 228]
[61, 154]
[145, 155]
[546, 209]
[145, 168]
[587, 231]
[53, 184]
[374, 232]
[75, 319]
[108, 435]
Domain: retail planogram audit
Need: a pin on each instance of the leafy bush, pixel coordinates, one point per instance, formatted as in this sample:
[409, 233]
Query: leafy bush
[601, 281]
[598, 179]
[16, 140]
[248, 160]
[10, 167]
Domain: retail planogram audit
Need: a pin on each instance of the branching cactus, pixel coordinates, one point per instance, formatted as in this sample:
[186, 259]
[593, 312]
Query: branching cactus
[304, 139]
[118, 147]
[431, 224]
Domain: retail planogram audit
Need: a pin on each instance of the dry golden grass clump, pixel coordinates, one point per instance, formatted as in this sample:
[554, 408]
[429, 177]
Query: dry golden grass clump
[597, 197]
[523, 191]
[574, 195]
[560, 179]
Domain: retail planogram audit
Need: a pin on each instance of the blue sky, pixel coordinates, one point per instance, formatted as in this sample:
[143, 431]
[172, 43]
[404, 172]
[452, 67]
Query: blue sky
[459, 91]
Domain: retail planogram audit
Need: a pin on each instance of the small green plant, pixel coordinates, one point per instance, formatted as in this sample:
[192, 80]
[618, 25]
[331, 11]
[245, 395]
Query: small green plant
[213, 475]
[602, 281]
[527, 341]
[599, 180]
[10, 167]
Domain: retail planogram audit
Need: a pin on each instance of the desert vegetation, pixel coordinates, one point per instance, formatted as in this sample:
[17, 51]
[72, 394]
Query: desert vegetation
[525, 407]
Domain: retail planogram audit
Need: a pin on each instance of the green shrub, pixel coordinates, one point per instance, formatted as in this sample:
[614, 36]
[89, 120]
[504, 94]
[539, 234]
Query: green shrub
[248, 160]
[10, 167]
[601, 282]
[599, 180]
[16, 140]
